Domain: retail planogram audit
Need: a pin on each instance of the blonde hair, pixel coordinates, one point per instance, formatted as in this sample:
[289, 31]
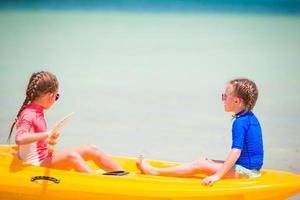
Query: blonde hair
[40, 83]
[246, 90]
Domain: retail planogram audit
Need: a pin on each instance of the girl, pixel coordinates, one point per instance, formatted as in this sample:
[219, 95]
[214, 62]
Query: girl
[33, 138]
[245, 158]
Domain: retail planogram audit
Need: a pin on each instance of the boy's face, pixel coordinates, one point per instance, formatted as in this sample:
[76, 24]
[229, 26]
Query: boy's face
[231, 102]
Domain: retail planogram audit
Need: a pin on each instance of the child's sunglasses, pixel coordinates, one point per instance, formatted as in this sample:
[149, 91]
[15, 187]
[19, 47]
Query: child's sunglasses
[57, 97]
[225, 96]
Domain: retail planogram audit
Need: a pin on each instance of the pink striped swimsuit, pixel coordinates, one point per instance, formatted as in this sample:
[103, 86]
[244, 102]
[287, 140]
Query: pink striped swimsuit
[31, 120]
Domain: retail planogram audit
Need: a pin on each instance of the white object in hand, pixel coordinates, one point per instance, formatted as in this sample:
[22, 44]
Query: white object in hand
[61, 123]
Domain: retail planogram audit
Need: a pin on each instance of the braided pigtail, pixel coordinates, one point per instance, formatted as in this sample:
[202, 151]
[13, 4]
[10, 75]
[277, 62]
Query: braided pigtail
[26, 101]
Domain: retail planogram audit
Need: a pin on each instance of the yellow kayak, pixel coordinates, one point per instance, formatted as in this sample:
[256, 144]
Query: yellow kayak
[21, 181]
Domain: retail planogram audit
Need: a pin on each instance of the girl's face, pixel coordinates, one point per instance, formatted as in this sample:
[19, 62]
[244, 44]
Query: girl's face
[231, 102]
[51, 98]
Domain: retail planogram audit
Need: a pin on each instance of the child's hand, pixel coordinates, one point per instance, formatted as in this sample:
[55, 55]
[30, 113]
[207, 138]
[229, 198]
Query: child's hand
[52, 142]
[209, 181]
[53, 133]
[52, 139]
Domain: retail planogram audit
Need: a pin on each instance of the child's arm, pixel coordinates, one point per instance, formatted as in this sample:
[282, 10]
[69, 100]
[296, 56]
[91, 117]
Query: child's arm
[228, 164]
[27, 138]
[25, 135]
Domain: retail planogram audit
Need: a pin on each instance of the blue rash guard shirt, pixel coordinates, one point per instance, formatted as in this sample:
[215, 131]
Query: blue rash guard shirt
[247, 136]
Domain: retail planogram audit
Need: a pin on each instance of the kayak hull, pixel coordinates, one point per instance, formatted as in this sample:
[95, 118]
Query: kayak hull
[22, 181]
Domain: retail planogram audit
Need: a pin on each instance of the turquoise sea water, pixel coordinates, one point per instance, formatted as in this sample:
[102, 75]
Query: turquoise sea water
[186, 6]
[151, 83]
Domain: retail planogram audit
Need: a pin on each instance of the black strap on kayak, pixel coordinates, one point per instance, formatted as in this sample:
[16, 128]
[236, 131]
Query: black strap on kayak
[116, 173]
[46, 178]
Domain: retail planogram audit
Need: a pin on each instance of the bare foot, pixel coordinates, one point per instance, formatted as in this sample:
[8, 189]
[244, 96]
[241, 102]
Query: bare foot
[139, 163]
[145, 167]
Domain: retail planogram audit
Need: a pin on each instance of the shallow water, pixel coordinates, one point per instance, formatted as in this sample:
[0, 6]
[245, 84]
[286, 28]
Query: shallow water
[151, 83]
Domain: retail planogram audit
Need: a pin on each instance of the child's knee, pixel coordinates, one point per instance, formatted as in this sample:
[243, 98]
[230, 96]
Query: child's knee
[90, 151]
[198, 164]
[92, 147]
[73, 157]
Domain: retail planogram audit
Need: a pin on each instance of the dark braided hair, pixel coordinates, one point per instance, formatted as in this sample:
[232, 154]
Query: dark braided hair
[39, 84]
[246, 90]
